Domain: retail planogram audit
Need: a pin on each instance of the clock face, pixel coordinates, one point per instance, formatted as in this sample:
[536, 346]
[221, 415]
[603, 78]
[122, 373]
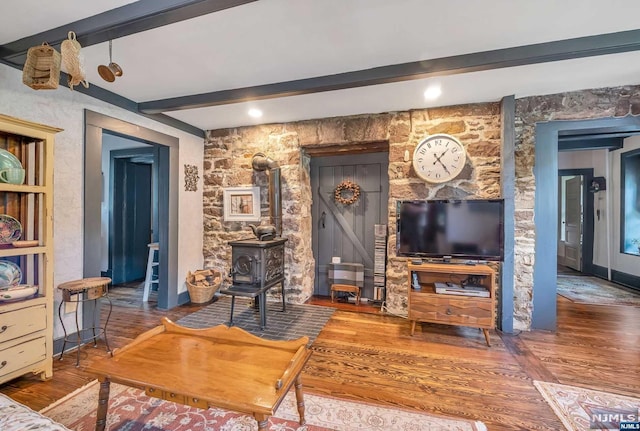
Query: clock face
[439, 158]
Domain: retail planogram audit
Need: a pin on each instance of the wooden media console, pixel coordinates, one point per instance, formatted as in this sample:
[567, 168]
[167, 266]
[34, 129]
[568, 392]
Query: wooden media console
[464, 305]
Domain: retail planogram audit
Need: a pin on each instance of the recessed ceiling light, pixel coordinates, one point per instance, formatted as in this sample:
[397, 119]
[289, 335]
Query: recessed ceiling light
[432, 92]
[255, 113]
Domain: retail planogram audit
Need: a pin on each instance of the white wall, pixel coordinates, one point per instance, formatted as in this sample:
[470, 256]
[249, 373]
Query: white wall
[596, 159]
[64, 108]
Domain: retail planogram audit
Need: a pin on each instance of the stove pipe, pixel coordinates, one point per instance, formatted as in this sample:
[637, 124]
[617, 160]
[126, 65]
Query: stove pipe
[261, 162]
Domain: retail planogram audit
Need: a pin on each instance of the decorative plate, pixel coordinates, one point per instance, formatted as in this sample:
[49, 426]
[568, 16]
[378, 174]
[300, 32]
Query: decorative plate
[8, 160]
[18, 292]
[10, 273]
[10, 229]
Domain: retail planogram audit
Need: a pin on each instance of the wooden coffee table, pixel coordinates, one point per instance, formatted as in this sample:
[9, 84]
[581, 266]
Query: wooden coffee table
[219, 367]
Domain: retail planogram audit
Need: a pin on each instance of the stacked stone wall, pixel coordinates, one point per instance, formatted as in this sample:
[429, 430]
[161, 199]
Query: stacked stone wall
[227, 163]
[228, 155]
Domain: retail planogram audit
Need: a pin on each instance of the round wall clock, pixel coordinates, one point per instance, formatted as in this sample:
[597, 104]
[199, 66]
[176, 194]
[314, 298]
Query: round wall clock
[439, 158]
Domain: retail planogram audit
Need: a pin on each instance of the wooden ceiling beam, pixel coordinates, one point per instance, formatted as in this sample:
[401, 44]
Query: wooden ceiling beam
[587, 46]
[320, 150]
[126, 20]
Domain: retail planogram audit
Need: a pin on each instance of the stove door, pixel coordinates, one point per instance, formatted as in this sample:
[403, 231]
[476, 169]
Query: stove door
[245, 270]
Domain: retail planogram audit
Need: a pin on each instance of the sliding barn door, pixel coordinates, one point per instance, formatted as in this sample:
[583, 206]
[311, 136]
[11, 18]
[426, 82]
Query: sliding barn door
[347, 231]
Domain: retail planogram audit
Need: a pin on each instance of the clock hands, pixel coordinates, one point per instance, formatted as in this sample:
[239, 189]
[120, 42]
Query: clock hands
[437, 160]
[445, 168]
[439, 157]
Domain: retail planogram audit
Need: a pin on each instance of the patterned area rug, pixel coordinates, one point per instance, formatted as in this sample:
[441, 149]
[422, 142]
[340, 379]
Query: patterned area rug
[295, 322]
[593, 290]
[576, 407]
[131, 410]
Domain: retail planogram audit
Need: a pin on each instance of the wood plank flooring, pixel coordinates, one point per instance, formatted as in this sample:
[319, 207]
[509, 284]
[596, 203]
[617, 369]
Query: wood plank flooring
[367, 356]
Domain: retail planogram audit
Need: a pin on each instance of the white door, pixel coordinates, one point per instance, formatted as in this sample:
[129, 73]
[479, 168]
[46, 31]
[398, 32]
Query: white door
[573, 224]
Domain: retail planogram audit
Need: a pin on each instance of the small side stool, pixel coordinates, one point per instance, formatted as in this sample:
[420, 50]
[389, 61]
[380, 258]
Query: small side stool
[346, 277]
[152, 262]
[346, 288]
[87, 289]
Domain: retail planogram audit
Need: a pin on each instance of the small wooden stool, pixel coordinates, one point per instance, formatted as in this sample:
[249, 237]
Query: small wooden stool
[150, 278]
[346, 288]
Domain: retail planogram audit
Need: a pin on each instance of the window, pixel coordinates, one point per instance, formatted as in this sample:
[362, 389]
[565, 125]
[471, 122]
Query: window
[630, 202]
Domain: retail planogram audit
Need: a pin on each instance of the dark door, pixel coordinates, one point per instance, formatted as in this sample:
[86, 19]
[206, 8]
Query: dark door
[347, 231]
[132, 215]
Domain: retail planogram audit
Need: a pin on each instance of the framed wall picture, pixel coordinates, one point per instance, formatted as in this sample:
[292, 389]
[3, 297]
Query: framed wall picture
[242, 204]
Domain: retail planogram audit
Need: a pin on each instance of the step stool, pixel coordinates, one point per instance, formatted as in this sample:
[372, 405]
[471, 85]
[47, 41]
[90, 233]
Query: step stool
[152, 261]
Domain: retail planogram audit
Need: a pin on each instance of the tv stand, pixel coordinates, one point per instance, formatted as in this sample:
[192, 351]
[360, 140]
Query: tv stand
[454, 308]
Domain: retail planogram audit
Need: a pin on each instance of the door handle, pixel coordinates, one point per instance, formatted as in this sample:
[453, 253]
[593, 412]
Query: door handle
[322, 218]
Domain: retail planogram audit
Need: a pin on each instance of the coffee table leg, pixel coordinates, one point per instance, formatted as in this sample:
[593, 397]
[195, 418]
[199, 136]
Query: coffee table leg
[263, 422]
[300, 400]
[103, 404]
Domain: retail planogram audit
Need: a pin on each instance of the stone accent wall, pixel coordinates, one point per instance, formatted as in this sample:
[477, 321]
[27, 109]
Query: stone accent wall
[227, 163]
[579, 105]
[478, 128]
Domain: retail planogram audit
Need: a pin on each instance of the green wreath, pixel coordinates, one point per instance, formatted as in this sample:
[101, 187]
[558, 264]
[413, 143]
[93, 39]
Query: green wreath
[346, 192]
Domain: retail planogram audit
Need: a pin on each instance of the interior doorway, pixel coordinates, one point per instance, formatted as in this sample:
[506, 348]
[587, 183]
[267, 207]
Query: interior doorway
[165, 149]
[575, 220]
[131, 208]
[603, 133]
[346, 231]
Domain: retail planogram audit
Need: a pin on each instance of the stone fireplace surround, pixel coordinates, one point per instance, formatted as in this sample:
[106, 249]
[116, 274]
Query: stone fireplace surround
[227, 163]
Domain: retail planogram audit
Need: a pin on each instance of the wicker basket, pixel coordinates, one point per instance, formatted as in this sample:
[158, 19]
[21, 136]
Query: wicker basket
[41, 69]
[73, 61]
[203, 290]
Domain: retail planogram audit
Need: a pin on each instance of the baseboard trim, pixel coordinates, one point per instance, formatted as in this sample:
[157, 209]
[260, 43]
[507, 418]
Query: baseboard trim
[57, 346]
[627, 280]
[183, 298]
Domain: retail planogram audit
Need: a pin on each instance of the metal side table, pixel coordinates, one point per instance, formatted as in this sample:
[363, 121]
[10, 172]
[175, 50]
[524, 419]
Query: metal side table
[81, 291]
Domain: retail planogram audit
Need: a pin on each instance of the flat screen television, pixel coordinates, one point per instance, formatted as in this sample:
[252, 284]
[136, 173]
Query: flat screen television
[459, 229]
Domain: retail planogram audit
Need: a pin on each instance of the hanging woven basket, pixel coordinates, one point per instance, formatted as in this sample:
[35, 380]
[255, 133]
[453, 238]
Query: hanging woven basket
[41, 69]
[73, 61]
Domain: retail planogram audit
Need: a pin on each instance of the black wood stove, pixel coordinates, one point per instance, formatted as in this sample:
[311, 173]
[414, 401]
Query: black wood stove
[256, 266]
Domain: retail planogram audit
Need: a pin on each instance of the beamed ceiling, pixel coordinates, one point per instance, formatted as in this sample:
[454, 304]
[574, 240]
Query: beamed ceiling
[202, 64]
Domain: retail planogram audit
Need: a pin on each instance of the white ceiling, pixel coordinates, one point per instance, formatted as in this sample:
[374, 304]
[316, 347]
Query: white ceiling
[272, 41]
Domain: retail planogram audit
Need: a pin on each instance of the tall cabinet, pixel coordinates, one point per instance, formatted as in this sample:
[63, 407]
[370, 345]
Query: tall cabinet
[26, 248]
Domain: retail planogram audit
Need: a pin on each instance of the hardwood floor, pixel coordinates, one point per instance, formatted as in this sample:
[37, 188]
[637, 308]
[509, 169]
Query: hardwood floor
[446, 370]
